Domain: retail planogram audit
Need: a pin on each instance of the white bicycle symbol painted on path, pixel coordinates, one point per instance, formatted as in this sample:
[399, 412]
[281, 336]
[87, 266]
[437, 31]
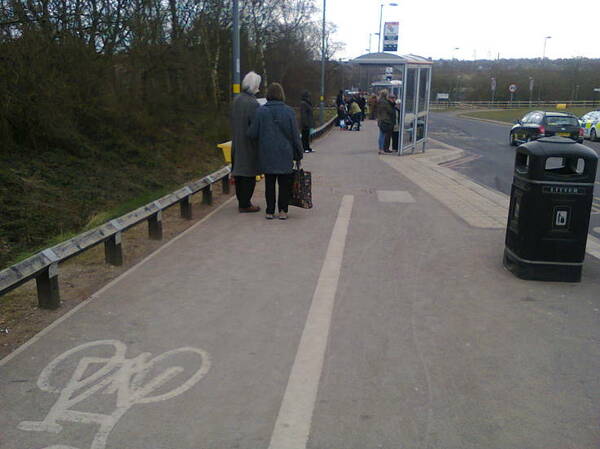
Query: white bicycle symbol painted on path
[139, 380]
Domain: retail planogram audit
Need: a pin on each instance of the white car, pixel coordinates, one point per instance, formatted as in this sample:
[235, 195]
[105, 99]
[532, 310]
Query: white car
[590, 123]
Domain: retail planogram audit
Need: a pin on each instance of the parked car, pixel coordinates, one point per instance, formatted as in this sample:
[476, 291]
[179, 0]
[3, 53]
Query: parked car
[538, 124]
[590, 123]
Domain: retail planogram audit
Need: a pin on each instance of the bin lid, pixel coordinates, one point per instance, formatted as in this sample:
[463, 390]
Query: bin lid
[555, 146]
[532, 157]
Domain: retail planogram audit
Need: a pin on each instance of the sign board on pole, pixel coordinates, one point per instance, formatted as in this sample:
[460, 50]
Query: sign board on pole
[493, 84]
[531, 83]
[390, 36]
[512, 88]
[442, 97]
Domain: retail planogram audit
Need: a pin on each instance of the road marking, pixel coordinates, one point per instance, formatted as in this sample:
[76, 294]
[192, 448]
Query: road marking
[394, 196]
[129, 379]
[461, 161]
[292, 427]
[84, 303]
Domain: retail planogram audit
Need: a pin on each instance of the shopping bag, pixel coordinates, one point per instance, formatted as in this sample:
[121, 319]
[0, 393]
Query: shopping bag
[301, 189]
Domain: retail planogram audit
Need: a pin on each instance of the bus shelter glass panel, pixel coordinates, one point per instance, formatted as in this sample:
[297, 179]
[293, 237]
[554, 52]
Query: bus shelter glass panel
[423, 103]
[409, 107]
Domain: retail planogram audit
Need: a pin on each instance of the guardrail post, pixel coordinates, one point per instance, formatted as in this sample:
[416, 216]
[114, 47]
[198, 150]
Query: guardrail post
[47, 288]
[225, 184]
[113, 250]
[207, 195]
[185, 206]
[155, 231]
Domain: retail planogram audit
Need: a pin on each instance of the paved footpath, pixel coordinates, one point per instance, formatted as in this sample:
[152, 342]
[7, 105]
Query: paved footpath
[382, 318]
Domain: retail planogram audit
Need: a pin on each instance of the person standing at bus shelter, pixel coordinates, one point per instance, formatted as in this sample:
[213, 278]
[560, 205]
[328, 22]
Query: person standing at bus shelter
[385, 121]
[244, 151]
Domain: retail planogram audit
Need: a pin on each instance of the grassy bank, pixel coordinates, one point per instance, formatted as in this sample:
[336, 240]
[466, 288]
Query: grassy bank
[510, 115]
[50, 196]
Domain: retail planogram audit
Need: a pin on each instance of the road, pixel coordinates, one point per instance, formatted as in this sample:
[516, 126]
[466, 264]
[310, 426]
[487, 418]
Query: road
[492, 158]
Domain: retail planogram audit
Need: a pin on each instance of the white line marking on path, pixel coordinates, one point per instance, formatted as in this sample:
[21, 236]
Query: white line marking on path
[130, 379]
[80, 306]
[292, 427]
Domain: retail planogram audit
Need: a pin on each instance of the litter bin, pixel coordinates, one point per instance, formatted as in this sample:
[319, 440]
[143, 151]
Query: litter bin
[550, 205]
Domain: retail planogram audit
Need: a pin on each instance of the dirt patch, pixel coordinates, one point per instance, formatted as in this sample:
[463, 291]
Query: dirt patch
[81, 276]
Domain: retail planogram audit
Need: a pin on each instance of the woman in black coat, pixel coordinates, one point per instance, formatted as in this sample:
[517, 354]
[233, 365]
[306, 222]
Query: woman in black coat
[306, 120]
[279, 146]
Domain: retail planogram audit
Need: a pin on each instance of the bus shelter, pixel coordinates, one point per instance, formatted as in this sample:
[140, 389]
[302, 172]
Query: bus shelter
[409, 78]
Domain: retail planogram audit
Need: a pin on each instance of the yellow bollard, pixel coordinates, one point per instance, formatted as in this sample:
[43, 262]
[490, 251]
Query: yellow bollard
[226, 148]
[561, 106]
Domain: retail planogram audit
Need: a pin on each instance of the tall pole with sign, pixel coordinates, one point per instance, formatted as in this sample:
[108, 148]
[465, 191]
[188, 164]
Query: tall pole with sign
[236, 48]
[512, 89]
[322, 104]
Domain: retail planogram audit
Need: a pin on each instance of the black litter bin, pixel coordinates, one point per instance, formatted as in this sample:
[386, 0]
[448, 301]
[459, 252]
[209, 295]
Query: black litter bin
[550, 204]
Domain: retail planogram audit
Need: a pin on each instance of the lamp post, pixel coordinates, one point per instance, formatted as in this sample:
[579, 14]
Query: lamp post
[322, 104]
[370, 36]
[380, 22]
[236, 48]
[545, 40]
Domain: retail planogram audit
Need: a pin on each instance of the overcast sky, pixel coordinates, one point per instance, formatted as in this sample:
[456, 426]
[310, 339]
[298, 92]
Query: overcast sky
[433, 28]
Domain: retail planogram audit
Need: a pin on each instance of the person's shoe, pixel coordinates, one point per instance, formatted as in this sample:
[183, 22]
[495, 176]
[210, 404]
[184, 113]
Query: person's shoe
[249, 210]
[387, 151]
[311, 151]
[381, 152]
[283, 215]
[269, 216]
[307, 151]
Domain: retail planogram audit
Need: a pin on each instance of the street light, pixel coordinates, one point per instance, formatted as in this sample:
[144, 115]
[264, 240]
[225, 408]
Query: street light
[380, 22]
[322, 104]
[370, 36]
[545, 40]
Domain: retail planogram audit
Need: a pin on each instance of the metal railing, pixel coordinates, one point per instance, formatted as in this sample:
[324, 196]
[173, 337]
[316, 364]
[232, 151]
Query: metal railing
[514, 104]
[43, 266]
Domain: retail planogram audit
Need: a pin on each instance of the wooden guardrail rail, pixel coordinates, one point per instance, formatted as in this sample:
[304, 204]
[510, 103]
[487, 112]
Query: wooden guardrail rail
[43, 266]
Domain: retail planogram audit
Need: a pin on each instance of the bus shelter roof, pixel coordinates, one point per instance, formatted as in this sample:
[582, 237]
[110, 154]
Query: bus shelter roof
[391, 59]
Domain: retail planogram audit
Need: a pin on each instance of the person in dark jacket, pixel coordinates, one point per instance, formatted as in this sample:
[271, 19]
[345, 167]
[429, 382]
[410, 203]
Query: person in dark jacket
[306, 121]
[385, 120]
[340, 104]
[396, 130]
[244, 151]
[279, 146]
[363, 106]
[372, 107]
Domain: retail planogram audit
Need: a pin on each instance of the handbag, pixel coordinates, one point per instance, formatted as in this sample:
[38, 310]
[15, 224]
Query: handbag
[301, 195]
